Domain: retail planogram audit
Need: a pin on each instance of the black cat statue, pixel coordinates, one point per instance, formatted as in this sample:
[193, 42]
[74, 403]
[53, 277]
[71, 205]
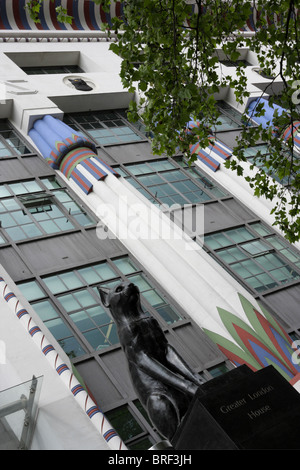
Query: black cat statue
[164, 383]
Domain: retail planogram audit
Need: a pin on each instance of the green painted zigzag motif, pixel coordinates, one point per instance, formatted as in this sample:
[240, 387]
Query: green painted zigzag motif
[262, 343]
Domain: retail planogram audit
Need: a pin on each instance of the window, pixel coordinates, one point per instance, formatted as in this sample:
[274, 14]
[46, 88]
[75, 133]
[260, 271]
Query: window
[77, 299]
[259, 156]
[104, 127]
[260, 258]
[28, 210]
[229, 118]
[231, 63]
[10, 143]
[52, 69]
[128, 427]
[164, 182]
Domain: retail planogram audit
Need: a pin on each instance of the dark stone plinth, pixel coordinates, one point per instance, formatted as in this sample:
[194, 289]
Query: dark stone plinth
[242, 410]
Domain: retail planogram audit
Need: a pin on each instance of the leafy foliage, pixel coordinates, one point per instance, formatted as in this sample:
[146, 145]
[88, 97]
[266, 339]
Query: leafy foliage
[34, 8]
[170, 52]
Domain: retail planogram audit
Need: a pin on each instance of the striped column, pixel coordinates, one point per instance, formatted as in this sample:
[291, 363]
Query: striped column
[86, 14]
[210, 155]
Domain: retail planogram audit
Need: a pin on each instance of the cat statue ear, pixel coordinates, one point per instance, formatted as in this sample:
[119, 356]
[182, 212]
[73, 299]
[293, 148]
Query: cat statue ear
[103, 292]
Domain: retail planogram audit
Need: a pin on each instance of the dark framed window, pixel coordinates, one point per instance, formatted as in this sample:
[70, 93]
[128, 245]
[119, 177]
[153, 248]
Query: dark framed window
[171, 182]
[73, 299]
[259, 155]
[28, 210]
[11, 144]
[229, 118]
[232, 63]
[260, 258]
[104, 127]
[52, 69]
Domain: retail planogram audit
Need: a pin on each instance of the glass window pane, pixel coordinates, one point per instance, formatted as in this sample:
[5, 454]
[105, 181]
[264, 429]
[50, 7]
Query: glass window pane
[31, 290]
[58, 328]
[125, 265]
[49, 227]
[10, 204]
[16, 234]
[168, 314]
[71, 280]
[261, 229]
[240, 234]
[110, 332]
[89, 275]
[4, 192]
[84, 220]
[98, 315]
[54, 284]
[125, 424]
[32, 230]
[82, 321]
[7, 221]
[255, 247]
[96, 339]
[161, 165]
[153, 298]
[71, 347]
[45, 310]
[69, 303]
[217, 240]
[84, 298]
[104, 271]
[140, 282]
[284, 274]
[267, 280]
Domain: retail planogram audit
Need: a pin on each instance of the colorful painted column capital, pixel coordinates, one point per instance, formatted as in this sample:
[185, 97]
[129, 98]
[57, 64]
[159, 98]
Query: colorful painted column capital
[69, 151]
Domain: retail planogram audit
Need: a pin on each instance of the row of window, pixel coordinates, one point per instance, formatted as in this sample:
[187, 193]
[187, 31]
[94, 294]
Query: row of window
[30, 209]
[10, 143]
[170, 182]
[256, 255]
[72, 298]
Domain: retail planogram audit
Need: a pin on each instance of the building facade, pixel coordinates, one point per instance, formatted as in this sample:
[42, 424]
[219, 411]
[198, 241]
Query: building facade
[84, 202]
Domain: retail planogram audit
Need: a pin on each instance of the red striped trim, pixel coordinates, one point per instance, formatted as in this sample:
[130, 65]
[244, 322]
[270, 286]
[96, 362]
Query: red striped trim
[53, 15]
[214, 166]
[95, 169]
[70, 12]
[103, 15]
[81, 183]
[65, 167]
[86, 10]
[16, 12]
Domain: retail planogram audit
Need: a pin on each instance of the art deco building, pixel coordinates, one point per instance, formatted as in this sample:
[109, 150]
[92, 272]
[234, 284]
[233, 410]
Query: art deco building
[84, 202]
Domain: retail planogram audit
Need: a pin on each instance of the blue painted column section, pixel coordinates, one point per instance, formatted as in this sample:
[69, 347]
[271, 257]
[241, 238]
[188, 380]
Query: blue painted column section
[65, 150]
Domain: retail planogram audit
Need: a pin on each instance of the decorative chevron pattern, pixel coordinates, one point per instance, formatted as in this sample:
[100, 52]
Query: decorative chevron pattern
[210, 155]
[70, 152]
[293, 129]
[258, 343]
[86, 15]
